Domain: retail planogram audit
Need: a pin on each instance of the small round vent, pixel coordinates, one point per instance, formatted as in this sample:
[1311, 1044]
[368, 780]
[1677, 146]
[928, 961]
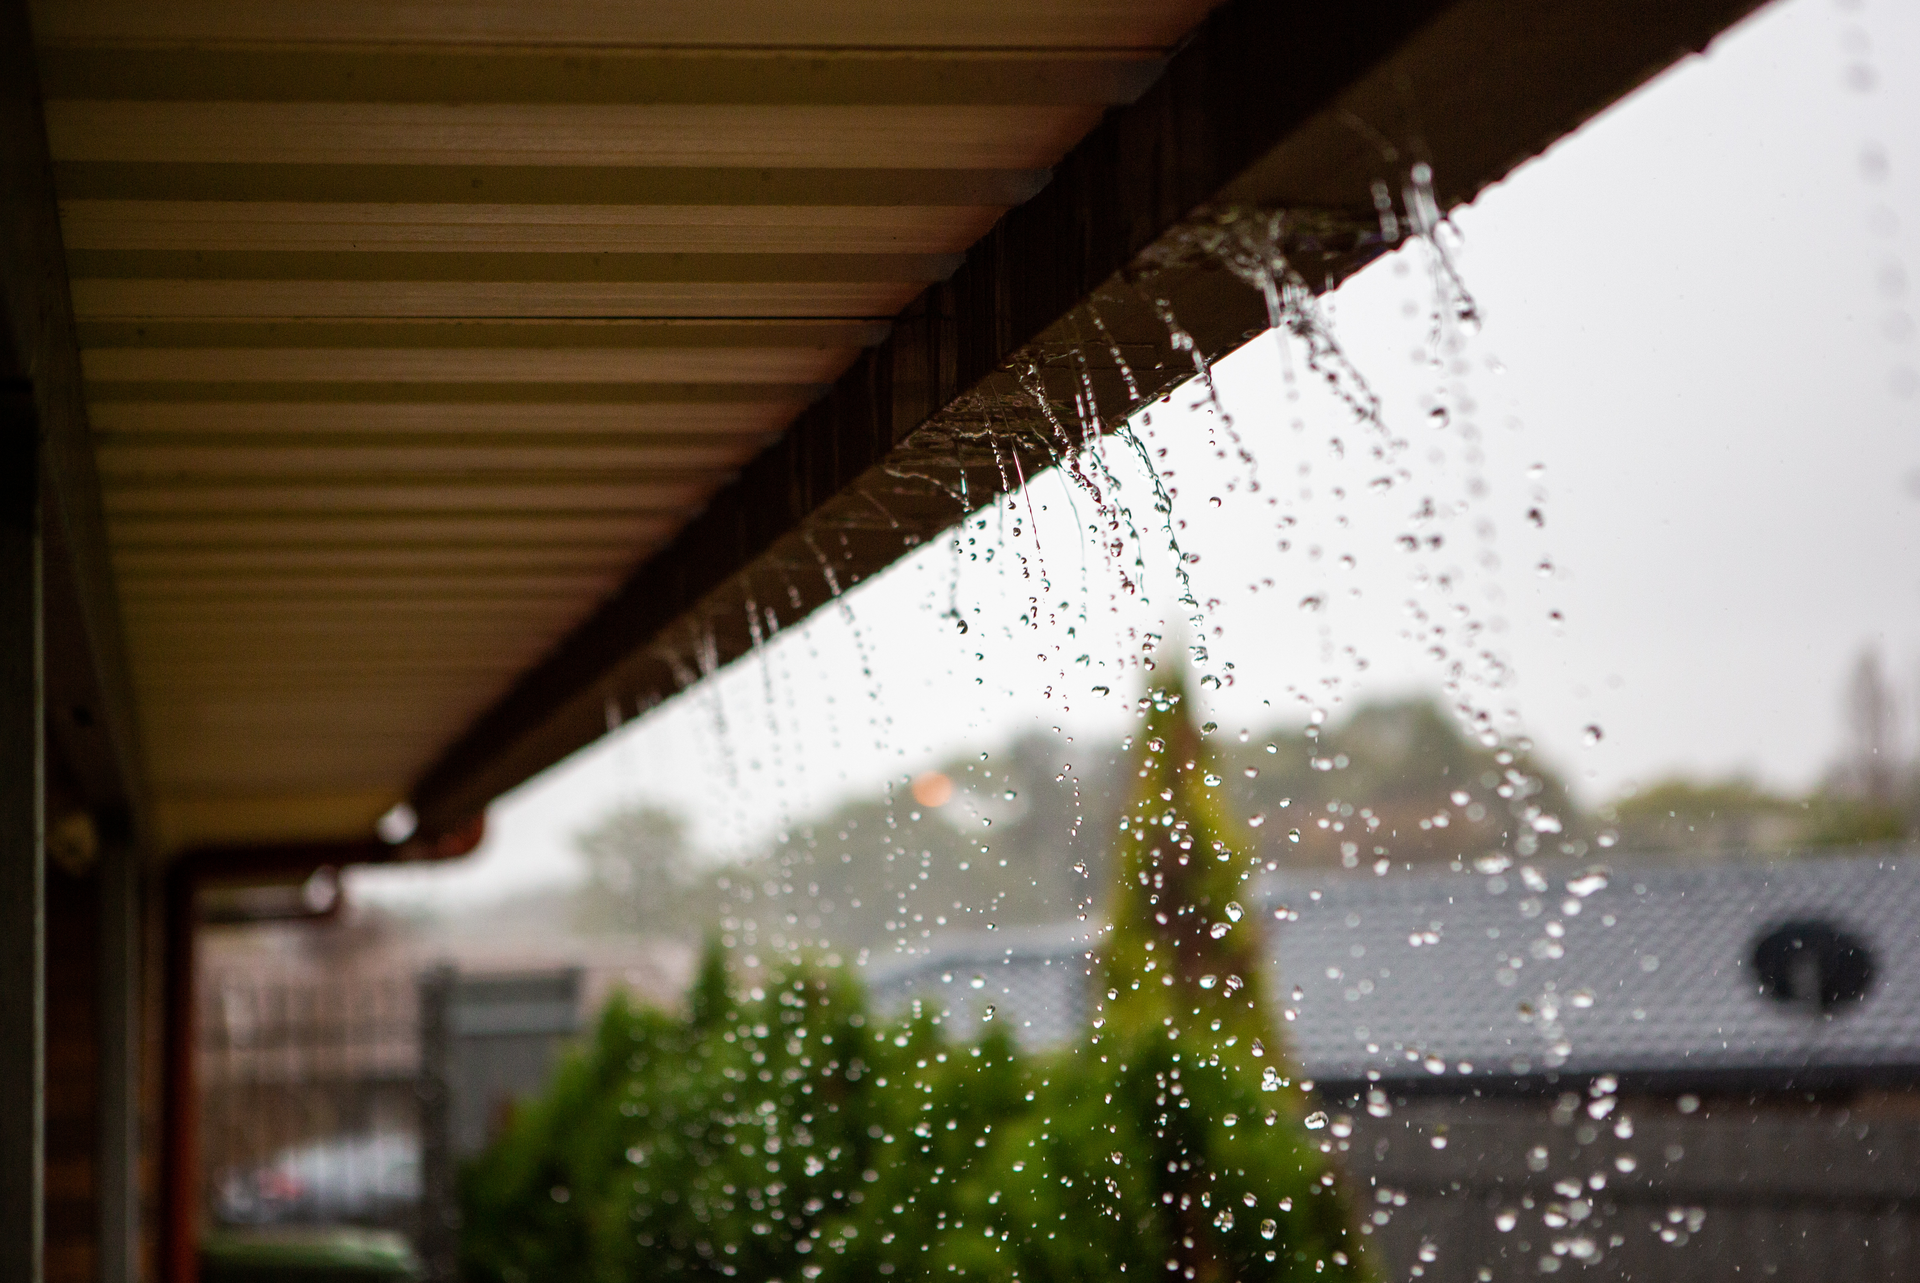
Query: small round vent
[1812, 964]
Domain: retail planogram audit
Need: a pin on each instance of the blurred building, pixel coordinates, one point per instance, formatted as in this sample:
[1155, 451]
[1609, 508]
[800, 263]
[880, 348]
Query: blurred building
[1707, 1070]
[347, 1062]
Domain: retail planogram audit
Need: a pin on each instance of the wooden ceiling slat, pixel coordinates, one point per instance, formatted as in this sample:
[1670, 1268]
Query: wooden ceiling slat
[293, 300]
[134, 565]
[507, 636]
[472, 398]
[385, 74]
[447, 420]
[780, 365]
[457, 365]
[544, 185]
[350, 620]
[520, 269]
[319, 668]
[400, 710]
[356, 463]
[674, 229]
[347, 531]
[671, 449]
[621, 134]
[555, 333]
[591, 24]
[366, 586]
[331, 471]
[508, 495]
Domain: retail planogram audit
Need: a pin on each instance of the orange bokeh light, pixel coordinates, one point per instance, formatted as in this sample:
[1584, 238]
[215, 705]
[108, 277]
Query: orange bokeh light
[932, 789]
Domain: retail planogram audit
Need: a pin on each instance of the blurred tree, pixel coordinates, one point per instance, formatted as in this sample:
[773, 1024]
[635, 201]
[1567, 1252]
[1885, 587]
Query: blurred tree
[642, 877]
[1400, 781]
[1185, 965]
[1715, 816]
[1870, 763]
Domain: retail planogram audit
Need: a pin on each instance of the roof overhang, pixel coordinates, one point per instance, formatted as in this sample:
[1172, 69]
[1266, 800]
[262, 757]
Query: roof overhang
[404, 522]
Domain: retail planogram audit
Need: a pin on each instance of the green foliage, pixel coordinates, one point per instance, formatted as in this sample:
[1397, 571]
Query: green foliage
[793, 1136]
[788, 1135]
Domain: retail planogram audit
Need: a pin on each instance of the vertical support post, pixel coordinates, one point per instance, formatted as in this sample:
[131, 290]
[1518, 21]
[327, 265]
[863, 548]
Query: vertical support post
[22, 845]
[180, 1156]
[119, 1110]
[439, 1214]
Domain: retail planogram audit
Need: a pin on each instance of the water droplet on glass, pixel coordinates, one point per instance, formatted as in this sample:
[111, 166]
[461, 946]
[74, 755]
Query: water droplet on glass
[1217, 930]
[1316, 1120]
[988, 1013]
[1505, 1220]
[978, 982]
[1269, 1227]
[1208, 982]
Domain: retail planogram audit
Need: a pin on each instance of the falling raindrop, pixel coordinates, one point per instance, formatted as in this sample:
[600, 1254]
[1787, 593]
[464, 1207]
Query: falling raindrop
[1590, 880]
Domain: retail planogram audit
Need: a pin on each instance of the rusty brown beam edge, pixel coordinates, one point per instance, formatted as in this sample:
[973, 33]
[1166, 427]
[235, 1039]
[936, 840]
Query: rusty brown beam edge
[1296, 106]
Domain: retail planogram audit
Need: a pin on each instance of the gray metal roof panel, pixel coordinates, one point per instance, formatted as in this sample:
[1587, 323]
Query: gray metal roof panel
[1652, 974]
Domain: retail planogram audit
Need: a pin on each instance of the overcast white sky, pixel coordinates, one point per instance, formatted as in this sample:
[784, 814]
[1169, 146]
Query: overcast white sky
[1697, 364]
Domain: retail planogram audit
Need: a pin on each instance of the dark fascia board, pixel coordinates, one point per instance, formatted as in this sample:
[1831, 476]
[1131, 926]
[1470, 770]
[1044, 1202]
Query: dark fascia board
[90, 709]
[1289, 106]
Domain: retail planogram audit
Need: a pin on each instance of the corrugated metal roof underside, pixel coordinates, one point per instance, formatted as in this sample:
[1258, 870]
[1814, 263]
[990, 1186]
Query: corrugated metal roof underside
[1654, 974]
[409, 329]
